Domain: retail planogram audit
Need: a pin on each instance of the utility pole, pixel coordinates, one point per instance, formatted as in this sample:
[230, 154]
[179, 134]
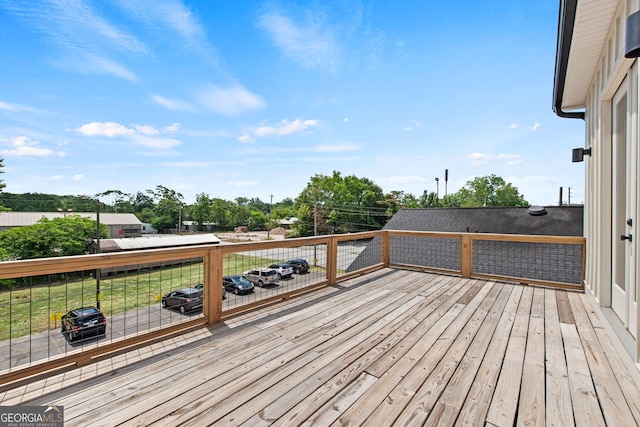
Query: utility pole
[446, 182]
[569, 196]
[179, 219]
[315, 233]
[98, 250]
[269, 217]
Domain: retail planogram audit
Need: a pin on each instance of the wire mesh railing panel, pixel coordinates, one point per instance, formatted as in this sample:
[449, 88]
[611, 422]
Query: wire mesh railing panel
[354, 255]
[553, 262]
[295, 268]
[42, 317]
[429, 252]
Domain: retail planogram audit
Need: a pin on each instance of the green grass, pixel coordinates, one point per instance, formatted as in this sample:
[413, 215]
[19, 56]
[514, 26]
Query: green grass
[35, 309]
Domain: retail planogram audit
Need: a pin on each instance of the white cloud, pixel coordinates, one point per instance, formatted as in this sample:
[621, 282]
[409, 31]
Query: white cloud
[154, 142]
[535, 126]
[7, 107]
[93, 63]
[346, 120]
[77, 177]
[147, 130]
[245, 138]
[172, 104]
[172, 13]
[16, 107]
[24, 146]
[286, 128]
[57, 177]
[412, 124]
[109, 129]
[478, 159]
[230, 101]
[309, 44]
[145, 136]
[513, 126]
[172, 128]
[83, 34]
[512, 159]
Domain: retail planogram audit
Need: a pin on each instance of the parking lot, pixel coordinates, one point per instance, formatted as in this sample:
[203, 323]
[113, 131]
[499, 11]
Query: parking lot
[51, 343]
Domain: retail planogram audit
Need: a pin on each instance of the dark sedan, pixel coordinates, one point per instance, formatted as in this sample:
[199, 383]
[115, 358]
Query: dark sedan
[237, 285]
[299, 265]
[187, 299]
[82, 323]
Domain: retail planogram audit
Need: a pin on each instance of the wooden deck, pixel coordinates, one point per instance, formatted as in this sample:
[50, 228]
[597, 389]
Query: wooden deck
[390, 348]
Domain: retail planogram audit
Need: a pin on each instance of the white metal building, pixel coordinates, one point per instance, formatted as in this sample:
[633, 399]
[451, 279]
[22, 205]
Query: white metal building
[119, 224]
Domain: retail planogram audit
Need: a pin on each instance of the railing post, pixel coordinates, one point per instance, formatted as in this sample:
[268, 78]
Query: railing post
[213, 284]
[466, 255]
[332, 261]
[386, 248]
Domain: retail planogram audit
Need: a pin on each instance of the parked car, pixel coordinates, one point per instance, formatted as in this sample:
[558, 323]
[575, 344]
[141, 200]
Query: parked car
[299, 265]
[82, 323]
[201, 287]
[237, 284]
[284, 270]
[186, 299]
[261, 276]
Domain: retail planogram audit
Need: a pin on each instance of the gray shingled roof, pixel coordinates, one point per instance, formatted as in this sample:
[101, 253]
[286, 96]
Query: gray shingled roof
[559, 220]
[550, 262]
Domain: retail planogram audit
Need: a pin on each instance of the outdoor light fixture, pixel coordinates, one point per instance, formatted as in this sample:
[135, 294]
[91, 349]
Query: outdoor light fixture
[632, 37]
[579, 153]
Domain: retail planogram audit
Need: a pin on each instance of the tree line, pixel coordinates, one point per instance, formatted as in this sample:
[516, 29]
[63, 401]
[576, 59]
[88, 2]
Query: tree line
[328, 204]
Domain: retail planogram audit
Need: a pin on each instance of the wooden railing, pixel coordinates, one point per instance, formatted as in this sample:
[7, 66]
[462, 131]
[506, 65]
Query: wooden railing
[333, 258]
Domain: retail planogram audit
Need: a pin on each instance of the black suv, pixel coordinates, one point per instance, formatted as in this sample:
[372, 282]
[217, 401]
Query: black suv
[82, 323]
[299, 265]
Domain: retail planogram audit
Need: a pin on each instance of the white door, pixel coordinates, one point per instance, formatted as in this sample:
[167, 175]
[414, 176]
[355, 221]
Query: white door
[623, 191]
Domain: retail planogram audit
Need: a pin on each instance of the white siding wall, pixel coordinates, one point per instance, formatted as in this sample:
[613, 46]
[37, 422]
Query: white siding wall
[612, 69]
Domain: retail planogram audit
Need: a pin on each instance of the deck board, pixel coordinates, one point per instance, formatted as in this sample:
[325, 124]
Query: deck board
[393, 347]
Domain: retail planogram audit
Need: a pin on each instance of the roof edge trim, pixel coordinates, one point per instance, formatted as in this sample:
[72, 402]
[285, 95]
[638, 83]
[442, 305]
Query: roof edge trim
[566, 20]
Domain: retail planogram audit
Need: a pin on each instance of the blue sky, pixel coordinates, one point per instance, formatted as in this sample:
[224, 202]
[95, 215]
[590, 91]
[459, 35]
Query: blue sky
[251, 99]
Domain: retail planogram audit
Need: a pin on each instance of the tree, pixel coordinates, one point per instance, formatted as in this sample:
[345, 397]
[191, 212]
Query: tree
[121, 201]
[168, 208]
[346, 203]
[50, 238]
[257, 220]
[396, 200]
[429, 200]
[141, 201]
[201, 210]
[489, 190]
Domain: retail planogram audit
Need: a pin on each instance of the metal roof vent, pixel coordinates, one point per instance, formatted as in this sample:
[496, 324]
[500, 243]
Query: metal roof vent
[537, 210]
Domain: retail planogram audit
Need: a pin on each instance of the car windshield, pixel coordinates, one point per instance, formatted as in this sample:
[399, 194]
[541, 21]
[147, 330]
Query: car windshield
[88, 312]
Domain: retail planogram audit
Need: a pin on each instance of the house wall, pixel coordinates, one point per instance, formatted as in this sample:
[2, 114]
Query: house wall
[613, 70]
